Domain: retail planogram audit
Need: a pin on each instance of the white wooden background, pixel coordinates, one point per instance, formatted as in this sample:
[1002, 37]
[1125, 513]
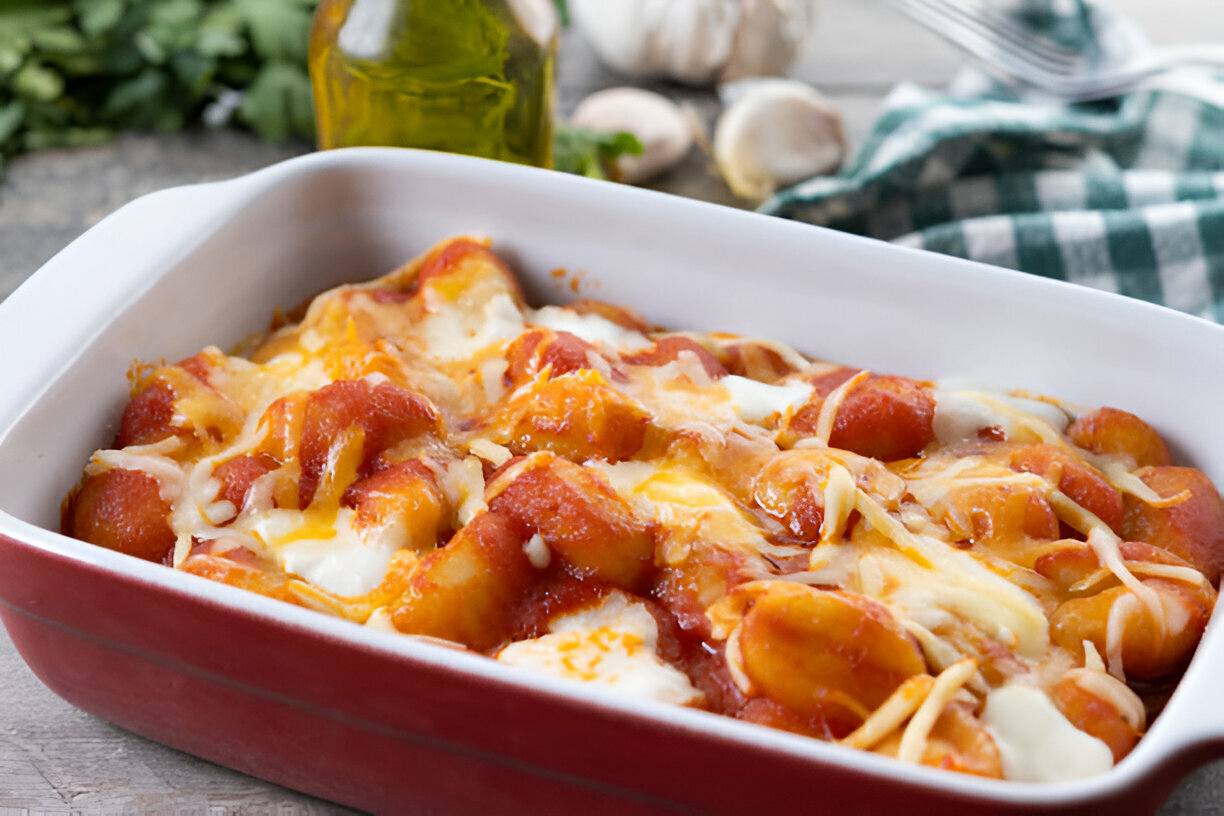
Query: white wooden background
[55, 759]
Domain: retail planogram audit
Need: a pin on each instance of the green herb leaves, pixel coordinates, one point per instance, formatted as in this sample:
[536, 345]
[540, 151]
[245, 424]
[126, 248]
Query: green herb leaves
[74, 71]
[590, 153]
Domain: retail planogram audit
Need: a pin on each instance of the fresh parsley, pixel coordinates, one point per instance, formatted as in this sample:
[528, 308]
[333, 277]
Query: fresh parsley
[72, 72]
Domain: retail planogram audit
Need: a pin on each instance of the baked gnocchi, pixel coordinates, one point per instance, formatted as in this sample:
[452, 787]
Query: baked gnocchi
[976, 579]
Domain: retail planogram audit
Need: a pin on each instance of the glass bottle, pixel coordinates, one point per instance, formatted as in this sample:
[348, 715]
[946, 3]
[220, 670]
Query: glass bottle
[464, 76]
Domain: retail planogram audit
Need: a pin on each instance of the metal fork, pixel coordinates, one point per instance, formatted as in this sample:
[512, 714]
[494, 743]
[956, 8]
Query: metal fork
[1118, 57]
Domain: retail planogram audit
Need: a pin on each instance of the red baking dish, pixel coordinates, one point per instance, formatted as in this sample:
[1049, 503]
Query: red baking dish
[394, 724]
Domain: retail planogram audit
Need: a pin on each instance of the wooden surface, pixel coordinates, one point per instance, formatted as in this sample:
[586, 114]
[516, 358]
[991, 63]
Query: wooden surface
[55, 759]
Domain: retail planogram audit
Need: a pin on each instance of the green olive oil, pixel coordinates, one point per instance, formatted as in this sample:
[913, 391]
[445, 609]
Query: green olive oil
[463, 76]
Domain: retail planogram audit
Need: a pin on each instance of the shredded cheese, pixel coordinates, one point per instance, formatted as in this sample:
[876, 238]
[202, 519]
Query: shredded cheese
[537, 551]
[840, 495]
[827, 417]
[1112, 691]
[949, 681]
[892, 713]
[165, 471]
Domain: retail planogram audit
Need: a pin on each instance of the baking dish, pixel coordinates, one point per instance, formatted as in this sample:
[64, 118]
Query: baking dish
[389, 723]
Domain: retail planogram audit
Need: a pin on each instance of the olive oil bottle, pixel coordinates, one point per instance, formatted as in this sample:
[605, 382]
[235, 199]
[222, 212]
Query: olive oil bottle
[463, 76]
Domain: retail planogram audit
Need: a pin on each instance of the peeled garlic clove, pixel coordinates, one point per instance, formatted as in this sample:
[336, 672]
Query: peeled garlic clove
[776, 132]
[657, 122]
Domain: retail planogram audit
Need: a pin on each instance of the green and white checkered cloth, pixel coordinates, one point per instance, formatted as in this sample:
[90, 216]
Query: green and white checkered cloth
[1125, 195]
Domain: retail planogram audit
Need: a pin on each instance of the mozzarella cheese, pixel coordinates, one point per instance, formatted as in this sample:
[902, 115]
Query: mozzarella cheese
[1036, 742]
[454, 334]
[755, 401]
[688, 507]
[596, 330]
[330, 552]
[612, 645]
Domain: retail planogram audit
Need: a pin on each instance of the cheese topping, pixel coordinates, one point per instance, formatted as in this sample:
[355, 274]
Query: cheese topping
[611, 645]
[914, 740]
[165, 471]
[963, 408]
[451, 335]
[827, 418]
[361, 463]
[1036, 742]
[958, 586]
[689, 507]
[598, 331]
[331, 553]
[753, 401]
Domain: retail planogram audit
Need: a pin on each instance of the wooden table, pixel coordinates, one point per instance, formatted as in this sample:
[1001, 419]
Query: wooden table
[55, 759]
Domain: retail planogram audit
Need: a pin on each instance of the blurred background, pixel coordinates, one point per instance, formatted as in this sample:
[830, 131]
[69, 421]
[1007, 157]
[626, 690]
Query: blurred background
[857, 52]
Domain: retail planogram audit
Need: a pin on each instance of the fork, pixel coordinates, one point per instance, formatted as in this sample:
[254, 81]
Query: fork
[1117, 58]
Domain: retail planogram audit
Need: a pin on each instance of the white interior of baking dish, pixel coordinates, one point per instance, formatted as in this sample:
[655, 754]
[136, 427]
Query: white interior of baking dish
[202, 265]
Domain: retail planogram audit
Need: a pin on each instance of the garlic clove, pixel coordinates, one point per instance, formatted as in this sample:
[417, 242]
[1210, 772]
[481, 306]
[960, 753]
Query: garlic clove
[656, 121]
[768, 38]
[686, 40]
[776, 132]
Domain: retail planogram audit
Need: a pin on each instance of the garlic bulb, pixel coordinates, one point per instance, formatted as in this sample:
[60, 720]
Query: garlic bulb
[656, 121]
[776, 132]
[768, 38]
[695, 41]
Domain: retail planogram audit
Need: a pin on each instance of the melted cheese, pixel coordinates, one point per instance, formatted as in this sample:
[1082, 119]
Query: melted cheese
[165, 471]
[464, 483]
[960, 587]
[1036, 742]
[688, 506]
[840, 494]
[896, 710]
[827, 417]
[256, 387]
[493, 453]
[1114, 692]
[754, 401]
[596, 330]
[537, 551]
[380, 619]
[680, 392]
[611, 645]
[962, 409]
[330, 552]
[452, 334]
[1105, 544]
[960, 414]
[914, 740]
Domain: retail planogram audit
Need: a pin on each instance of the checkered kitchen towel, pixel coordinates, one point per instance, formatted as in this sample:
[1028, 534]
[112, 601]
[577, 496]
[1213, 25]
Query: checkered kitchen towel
[1125, 195]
